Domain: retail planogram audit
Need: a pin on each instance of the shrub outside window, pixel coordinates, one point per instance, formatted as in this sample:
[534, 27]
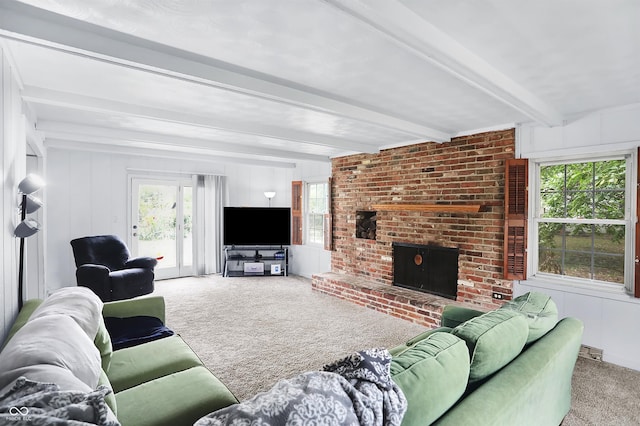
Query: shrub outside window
[582, 224]
[316, 209]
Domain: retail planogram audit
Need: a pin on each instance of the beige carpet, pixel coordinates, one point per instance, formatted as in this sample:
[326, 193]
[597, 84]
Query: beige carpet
[252, 331]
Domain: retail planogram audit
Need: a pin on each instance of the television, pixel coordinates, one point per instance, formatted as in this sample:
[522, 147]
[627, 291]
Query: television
[257, 226]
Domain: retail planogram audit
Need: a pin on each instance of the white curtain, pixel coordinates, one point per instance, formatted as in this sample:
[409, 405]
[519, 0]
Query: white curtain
[211, 197]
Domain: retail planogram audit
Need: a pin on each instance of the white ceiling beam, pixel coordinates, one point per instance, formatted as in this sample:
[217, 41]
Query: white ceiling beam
[38, 26]
[146, 150]
[414, 33]
[39, 95]
[98, 134]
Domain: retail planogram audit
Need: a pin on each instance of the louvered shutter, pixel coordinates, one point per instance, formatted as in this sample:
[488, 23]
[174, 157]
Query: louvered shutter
[515, 223]
[296, 212]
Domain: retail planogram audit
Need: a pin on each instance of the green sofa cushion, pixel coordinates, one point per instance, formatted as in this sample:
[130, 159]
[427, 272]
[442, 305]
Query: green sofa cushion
[453, 315]
[432, 375]
[103, 343]
[538, 309]
[493, 339]
[138, 364]
[411, 342]
[110, 399]
[174, 400]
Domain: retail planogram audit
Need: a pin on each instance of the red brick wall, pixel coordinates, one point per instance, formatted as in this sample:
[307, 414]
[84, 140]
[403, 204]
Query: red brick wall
[469, 169]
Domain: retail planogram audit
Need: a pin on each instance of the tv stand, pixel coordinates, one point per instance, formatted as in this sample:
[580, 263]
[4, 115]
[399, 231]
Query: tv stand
[242, 261]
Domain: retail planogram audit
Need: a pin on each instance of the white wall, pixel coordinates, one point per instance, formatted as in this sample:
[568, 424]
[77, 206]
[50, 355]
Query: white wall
[610, 319]
[13, 162]
[247, 185]
[87, 194]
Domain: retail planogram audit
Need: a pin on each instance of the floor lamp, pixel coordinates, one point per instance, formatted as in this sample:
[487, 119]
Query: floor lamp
[27, 226]
[269, 195]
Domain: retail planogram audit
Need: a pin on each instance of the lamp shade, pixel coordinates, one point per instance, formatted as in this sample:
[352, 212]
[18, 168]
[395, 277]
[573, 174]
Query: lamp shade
[269, 194]
[32, 204]
[27, 228]
[31, 183]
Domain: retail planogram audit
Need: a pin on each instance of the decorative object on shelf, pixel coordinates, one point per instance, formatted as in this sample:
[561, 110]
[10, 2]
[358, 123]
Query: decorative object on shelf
[269, 195]
[27, 226]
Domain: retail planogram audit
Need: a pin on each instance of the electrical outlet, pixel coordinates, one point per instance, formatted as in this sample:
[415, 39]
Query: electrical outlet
[498, 296]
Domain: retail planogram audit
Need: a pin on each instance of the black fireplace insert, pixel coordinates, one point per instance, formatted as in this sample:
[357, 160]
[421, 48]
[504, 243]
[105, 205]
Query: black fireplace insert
[427, 268]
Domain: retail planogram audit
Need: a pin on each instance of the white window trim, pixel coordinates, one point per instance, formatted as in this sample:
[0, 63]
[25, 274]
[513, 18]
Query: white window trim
[307, 213]
[577, 284]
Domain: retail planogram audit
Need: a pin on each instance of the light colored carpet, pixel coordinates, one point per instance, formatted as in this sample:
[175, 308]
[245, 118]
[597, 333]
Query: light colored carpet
[604, 394]
[252, 331]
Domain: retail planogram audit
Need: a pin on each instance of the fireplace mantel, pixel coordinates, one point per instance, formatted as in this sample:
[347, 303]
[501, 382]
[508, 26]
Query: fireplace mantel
[437, 208]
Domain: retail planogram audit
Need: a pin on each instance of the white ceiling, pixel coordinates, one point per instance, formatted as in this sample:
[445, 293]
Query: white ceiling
[278, 81]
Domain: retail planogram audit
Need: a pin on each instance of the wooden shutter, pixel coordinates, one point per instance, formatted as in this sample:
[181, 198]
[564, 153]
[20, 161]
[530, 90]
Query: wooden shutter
[328, 220]
[515, 219]
[296, 212]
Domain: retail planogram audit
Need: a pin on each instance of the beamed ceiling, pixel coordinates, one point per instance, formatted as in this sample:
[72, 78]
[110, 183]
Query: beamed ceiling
[281, 81]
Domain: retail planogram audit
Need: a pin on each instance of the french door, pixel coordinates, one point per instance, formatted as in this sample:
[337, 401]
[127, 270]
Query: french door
[161, 224]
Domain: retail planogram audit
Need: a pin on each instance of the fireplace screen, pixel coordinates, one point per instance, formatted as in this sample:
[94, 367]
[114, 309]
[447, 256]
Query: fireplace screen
[427, 268]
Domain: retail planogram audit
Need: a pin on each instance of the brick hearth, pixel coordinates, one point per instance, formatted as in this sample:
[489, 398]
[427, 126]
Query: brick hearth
[414, 306]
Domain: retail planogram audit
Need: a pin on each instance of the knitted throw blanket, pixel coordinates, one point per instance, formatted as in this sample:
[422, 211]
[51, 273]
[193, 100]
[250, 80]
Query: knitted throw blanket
[356, 390]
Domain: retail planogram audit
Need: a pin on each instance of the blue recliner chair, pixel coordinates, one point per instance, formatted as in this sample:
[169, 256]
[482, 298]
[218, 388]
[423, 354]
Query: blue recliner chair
[105, 267]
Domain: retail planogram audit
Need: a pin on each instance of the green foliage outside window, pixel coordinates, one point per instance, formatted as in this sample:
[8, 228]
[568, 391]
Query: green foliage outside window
[157, 212]
[584, 193]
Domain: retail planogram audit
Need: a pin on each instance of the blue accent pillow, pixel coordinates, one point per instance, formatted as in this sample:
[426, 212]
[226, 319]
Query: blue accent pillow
[132, 331]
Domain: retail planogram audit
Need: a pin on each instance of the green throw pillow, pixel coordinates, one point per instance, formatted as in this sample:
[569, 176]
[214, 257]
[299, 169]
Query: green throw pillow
[493, 339]
[432, 375]
[539, 310]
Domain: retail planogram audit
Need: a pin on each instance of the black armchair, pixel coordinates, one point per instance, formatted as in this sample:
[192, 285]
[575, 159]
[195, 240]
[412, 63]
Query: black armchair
[105, 267]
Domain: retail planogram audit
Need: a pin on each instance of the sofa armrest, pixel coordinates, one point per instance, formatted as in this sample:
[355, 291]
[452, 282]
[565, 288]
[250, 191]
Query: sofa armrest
[152, 306]
[534, 389]
[95, 277]
[141, 262]
[23, 316]
[453, 315]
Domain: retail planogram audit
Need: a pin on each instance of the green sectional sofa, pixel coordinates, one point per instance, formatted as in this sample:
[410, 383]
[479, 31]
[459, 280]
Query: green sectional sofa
[511, 366]
[161, 382]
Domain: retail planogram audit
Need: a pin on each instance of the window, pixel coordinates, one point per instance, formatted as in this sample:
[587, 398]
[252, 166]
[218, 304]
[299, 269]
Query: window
[316, 208]
[582, 220]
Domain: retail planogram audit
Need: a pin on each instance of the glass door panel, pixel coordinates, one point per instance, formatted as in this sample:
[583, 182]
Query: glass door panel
[161, 225]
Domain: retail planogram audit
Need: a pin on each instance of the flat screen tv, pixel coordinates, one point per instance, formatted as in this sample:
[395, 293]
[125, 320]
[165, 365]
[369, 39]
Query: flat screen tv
[257, 226]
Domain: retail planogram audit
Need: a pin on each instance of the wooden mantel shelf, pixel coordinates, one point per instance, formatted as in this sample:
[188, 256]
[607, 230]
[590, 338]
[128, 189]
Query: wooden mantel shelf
[438, 208]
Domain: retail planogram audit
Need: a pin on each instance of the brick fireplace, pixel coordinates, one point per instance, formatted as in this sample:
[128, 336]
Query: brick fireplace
[447, 195]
